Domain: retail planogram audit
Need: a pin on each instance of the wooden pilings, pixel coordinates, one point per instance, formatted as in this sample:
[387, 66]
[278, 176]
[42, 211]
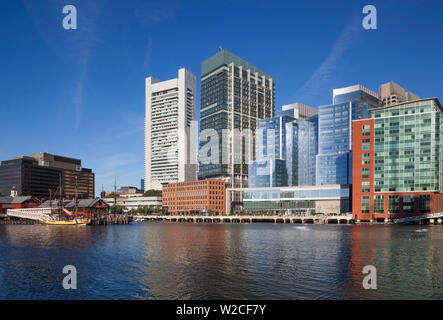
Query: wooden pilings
[110, 219]
[12, 220]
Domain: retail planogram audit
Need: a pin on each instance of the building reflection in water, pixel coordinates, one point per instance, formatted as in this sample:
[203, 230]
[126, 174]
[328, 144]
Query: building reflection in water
[181, 260]
[407, 260]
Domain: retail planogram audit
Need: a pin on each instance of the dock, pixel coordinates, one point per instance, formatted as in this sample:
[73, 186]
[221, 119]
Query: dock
[340, 219]
[110, 219]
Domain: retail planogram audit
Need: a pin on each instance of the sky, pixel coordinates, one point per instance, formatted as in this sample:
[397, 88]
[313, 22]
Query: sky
[81, 93]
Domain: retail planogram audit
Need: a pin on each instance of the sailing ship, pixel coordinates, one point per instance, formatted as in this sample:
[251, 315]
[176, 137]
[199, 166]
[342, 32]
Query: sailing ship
[60, 216]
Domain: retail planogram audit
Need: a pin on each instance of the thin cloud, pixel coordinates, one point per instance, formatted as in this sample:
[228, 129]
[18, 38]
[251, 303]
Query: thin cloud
[317, 82]
[155, 12]
[73, 46]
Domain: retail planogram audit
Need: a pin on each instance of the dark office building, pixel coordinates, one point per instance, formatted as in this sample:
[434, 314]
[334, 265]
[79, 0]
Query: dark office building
[234, 96]
[36, 174]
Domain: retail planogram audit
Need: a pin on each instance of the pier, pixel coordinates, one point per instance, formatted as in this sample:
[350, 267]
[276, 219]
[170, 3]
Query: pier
[341, 219]
[110, 219]
[37, 215]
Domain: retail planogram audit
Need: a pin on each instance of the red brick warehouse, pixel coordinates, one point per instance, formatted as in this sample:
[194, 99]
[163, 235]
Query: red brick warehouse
[194, 197]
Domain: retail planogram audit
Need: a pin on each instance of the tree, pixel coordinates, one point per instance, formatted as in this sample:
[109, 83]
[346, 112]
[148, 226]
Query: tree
[152, 193]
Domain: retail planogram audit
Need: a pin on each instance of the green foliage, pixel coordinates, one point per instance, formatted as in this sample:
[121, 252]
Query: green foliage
[152, 193]
[146, 210]
[118, 209]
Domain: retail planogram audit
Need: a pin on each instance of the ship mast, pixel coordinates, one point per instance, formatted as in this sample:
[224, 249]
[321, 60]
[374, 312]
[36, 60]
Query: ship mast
[61, 195]
[76, 197]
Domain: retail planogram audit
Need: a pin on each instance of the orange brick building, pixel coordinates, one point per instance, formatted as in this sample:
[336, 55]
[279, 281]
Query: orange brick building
[396, 162]
[194, 197]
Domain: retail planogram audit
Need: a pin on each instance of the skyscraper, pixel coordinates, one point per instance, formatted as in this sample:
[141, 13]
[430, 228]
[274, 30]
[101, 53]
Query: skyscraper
[307, 150]
[287, 147]
[334, 159]
[170, 131]
[277, 156]
[234, 96]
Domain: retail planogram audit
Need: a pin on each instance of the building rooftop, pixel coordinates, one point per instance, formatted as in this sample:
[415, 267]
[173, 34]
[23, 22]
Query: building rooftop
[225, 57]
[357, 87]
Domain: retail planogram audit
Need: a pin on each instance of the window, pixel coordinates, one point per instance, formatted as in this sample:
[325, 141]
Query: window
[366, 130]
[393, 204]
[365, 173]
[366, 158]
[424, 203]
[408, 204]
[365, 204]
[379, 204]
[365, 186]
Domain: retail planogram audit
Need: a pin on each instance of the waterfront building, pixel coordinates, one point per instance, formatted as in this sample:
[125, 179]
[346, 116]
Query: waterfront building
[277, 155]
[135, 202]
[295, 200]
[17, 202]
[397, 161]
[334, 159]
[286, 148]
[195, 197]
[142, 184]
[37, 174]
[391, 93]
[170, 131]
[85, 207]
[235, 95]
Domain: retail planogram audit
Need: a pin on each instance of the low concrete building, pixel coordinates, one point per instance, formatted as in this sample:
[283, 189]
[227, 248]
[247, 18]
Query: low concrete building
[295, 200]
[133, 203]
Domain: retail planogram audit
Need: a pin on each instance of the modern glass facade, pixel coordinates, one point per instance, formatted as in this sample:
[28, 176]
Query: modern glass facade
[277, 154]
[398, 160]
[268, 173]
[324, 199]
[234, 96]
[334, 159]
[307, 151]
[407, 147]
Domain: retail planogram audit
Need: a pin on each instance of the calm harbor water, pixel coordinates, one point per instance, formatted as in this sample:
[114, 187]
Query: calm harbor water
[221, 261]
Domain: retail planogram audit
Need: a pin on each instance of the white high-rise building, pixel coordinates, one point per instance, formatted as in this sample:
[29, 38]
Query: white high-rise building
[170, 130]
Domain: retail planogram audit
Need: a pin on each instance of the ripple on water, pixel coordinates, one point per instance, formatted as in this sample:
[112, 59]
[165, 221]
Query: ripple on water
[221, 261]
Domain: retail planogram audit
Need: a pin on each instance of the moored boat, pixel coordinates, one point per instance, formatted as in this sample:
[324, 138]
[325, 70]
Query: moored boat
[73, 222]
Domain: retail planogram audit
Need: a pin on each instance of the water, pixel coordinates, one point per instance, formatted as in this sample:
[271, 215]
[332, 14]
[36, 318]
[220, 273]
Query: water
[221, 261]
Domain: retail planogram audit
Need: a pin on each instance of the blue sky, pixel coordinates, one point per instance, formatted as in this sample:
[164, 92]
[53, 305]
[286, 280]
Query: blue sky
[80, 93]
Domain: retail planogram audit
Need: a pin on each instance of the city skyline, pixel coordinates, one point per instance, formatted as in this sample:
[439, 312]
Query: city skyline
[86, 87]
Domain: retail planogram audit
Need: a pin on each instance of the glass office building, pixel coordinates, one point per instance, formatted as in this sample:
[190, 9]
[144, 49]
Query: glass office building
[298, 200]
[277, 153]
[234, 96]
[307, 150]
[334, 159]
[35, 175]
[398, 159]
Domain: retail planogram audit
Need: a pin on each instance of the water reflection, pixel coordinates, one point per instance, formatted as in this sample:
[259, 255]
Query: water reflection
[221, 261]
